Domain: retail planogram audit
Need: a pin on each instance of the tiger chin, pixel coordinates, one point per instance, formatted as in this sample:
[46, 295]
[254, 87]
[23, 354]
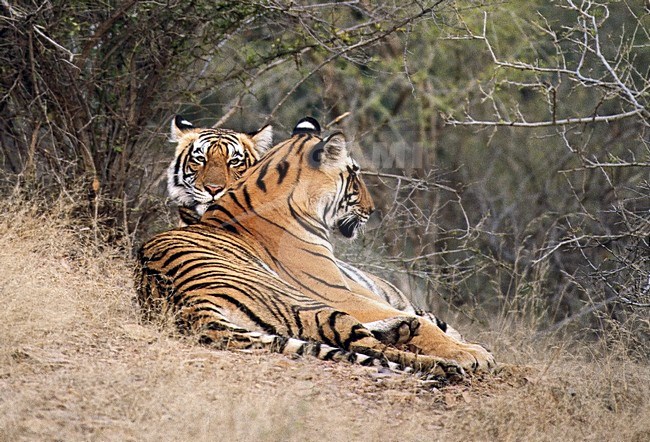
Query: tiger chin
[224, 280]
[349, 226]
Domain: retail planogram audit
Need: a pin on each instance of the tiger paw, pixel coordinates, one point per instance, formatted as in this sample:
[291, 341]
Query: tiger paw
[435, 367]
[394, 331]
[472, 357]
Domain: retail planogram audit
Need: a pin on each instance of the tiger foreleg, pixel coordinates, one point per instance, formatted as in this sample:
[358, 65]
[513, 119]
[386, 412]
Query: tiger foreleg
[430, 339]
[345, 331]
[379, 288]
[410, 362]
[442, 325]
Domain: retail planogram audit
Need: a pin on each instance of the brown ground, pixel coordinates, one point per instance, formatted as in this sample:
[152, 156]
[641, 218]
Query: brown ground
[76, 364]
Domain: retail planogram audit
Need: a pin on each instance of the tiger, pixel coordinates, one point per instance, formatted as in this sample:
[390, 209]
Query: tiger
[207, 161]
[189, 194]
[259, 269]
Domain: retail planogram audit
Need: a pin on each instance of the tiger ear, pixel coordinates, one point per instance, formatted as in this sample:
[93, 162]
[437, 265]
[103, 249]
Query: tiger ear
[330, 152]
[307, 125]
[179, 126]
[263, 138]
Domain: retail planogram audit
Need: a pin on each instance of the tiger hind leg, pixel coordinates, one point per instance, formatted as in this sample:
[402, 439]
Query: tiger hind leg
[293, 347]
[216, 330]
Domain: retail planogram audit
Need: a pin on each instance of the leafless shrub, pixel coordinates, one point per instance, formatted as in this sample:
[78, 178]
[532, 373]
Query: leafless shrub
[530, 197]
[88, 88]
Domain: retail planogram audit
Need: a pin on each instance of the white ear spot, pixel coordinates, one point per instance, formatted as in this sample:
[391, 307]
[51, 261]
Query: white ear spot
[306, 125]
[178, 127]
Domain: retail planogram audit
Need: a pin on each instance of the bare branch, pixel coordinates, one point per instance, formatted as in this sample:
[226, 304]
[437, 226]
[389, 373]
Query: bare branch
[561, 122]
[103, 29]
[39, 31]
[618, 82]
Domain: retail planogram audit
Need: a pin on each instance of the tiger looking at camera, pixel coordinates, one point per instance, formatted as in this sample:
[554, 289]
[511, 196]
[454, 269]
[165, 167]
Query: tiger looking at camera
[207, 161]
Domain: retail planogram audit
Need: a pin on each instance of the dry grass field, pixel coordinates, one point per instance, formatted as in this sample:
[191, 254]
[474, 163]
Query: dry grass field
[76, 364]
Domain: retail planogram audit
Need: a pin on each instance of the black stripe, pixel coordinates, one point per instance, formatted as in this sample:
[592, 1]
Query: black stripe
[332, 324]
[228, 225]
[324, 256]
[171, 258]
[268, 220]
[301, 349]
[321, 332]
[299, 283]
[246, 288]
[281, 343]
[247, 197]
[315, 349]
[186, 265]
[260, 177]
[329, 356]
[442, 325]
[177, 168]
[304, 139]
[233, 197]
[325, 283]
[220, 326]
[297, 320]
[355, 335]
[322, 233]
[230, 228]
[268, 328]
[282, 168]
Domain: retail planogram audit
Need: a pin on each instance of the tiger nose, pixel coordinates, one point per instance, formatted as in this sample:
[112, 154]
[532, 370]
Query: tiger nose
[213, 189]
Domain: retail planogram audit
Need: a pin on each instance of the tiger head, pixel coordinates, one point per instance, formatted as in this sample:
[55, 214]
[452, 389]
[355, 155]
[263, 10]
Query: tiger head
[207, 161]
[318, 176]
[344, 200]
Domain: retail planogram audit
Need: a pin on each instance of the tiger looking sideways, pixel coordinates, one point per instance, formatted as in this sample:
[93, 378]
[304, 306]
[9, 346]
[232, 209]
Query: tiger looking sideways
[259, 268]
[204, 153]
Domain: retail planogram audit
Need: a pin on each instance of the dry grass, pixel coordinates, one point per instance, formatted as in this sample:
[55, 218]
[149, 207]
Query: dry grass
[76, 364]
